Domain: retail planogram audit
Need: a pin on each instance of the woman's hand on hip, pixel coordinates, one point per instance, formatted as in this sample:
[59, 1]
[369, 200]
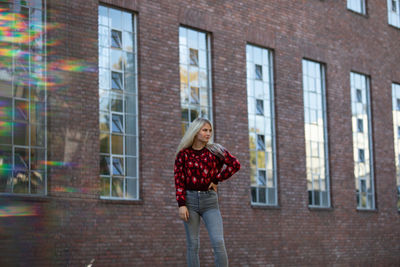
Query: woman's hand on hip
[213, 187]
[184, 213]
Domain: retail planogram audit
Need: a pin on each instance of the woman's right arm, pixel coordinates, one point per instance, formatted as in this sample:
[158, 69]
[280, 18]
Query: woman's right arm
[180, 179]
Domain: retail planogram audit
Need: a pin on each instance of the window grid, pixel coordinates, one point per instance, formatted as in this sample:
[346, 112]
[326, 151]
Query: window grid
[362, 148]
[261, 126]
[396, 128]
[317, 163]
[23, 100]
[194, 65]
[119, 160]
[357, 6]
[393, 7]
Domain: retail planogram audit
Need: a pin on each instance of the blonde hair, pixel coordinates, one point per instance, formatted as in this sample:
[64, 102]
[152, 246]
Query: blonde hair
[188, 138]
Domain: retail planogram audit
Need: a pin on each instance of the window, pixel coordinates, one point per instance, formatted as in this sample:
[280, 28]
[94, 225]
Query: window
[357, 6]
[194, 65]
[362, 141]
[396, 127]
[394, 12]
[118, 105]
[316, 140]
[23, 98]
[260, 99]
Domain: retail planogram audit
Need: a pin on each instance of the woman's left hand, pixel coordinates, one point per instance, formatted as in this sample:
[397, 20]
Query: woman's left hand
[213, 187]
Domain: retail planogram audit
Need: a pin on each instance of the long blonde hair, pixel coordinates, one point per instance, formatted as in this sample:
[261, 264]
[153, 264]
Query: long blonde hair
[188, 138]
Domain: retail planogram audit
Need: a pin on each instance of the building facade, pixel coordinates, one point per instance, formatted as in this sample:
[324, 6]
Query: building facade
[95, 97]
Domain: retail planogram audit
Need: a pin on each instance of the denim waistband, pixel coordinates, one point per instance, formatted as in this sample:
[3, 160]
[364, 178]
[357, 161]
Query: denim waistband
[199, 192]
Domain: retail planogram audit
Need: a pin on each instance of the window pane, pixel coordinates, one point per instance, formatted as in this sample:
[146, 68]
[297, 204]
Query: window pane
[261, 122]
[117, 144]
[117, 187]
[116, 39]
[21, 134]
[131, 188]
[194, 75]
[118, 166]
[104, 165]
[105, 186]
[105, 143]
[118, 108]
[315, 131]
[363, 171]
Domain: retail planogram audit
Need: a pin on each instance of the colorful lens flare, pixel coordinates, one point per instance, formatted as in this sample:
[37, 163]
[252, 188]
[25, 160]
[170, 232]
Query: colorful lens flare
[18, 32]
[69, 189]
[58, 163]
[20, 210]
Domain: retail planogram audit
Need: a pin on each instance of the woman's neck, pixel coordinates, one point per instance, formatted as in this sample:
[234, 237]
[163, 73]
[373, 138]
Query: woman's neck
[197, 145]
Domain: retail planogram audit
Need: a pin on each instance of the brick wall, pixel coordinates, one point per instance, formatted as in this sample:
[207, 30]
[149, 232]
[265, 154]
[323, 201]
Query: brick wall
[72, 228]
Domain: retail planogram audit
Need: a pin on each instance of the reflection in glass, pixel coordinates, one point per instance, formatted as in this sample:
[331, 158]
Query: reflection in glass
[104, 165]
[131, 167]
[194, 76]
[104, 122]
[315, 133]
[261, 177]
[258, 72]
[116, 80]
[105, 186]
[131, 146]
[21, 134]
[194, 57]
[131, 188]
[117, 187]
[118, 166]
[116, 39]
[396, 135]
[362, 153]
[261, 121]
[5, 109]
[260, 107]
[105, 143]
[117, 144]
[194, 95]
[118, 111]
[130, 124]
[260, 142]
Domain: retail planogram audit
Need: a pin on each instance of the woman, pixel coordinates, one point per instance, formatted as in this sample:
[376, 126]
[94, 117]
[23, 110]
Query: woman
[199, 166]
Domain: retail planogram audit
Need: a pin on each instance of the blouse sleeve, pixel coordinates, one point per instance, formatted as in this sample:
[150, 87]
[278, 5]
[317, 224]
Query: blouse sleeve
[232, 166]
[180, 179]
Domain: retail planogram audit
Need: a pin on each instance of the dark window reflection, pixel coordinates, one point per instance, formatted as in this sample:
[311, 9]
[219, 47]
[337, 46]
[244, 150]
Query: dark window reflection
[260, 142]
[259, 75]
[194, 57]
[259, 107]
[116, 40]
[116, 78]
[359, 95]
[118, 166]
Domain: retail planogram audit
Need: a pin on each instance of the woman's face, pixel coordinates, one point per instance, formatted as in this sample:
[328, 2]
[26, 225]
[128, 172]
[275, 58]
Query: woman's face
[204, 134]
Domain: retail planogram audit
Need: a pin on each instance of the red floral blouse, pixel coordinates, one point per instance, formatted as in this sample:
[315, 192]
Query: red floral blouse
[196, 169]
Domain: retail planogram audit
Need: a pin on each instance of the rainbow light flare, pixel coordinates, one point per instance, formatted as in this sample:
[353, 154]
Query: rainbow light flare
[69, 189]
[20, 210]
[16, 31]
[58, 163]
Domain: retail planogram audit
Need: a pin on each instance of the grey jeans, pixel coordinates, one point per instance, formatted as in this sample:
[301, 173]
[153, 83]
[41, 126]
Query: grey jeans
[204, 204]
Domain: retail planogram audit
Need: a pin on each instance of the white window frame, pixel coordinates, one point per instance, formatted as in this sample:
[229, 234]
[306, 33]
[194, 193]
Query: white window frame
[29, 147]
[186, 45]
[133, 96]
[358, 6]
[314, 79]
[361, 82]
[396, 125]
[394, 16]
[265, 60]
